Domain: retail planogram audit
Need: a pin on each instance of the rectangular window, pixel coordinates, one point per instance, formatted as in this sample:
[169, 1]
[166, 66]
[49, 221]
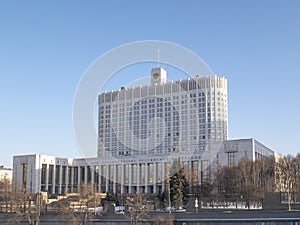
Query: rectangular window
[159, 172]
[118, 173]
[142, 173]
[44, 170]
[111, 173]
[51, 169]
[204, 171]
[231, 158]
[64, 171]
[82, 173]
[24, 176]
[69, 175]
[89, 174]
[57, 175]
[96, 175]
[103, 176]
[150, 173]
[134, 173]
[126, 174]
[195, 172]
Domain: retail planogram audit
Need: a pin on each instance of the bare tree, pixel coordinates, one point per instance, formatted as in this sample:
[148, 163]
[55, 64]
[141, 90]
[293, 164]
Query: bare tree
[137, 208]
[78, 208]
[263, 179]
[5, 194]
[227, 184]
[297, 165]
[286, 173]
[23, 204]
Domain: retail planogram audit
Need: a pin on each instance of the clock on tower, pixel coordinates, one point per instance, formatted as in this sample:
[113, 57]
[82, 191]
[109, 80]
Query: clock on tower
[158, 76]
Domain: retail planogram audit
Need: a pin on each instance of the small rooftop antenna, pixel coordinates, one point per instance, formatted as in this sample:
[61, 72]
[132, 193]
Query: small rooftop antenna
[158, 53]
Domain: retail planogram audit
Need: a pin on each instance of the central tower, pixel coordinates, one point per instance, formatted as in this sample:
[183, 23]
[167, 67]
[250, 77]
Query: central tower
[158, 76]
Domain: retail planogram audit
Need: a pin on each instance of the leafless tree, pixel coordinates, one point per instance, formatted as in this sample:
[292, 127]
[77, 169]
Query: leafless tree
[24, 206]
[80, 208]
[297, 165]
[246, 176]
[286, 173]
[5, 194]
[136, 208]
[226, 182]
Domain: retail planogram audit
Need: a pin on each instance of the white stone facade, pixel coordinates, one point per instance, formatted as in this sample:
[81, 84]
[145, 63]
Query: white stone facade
[157, 119]
[141, 131]
[149, 174]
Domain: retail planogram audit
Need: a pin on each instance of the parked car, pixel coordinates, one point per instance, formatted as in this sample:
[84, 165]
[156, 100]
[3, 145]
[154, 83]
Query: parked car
[120, 209]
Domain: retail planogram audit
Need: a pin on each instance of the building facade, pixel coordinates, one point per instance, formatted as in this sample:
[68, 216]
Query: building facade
[163, 117]
[148, 174]
[142, 130]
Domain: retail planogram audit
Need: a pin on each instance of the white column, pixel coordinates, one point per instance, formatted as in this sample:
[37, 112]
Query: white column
[146, 177]
[115, 180]
[154, 177]
[122, 179]
[138, 178]
[67, 179]
[107, 178]
[53, 179]
[60, 180]
[78, 179]
[199, 172]
[47, 177]
[130, 179]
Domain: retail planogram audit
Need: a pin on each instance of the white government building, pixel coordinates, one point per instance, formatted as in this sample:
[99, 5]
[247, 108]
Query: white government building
[141, 131]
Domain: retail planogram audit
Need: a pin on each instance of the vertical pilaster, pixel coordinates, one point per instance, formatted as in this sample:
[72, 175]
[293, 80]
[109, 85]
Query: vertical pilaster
[138, 178]
[53, 179]
[78, 179]
[47, 177]
[115, 179]
[107, 178]
[146, 177]
[154, 178]
[130, 179]
[66, 179]
[60, 180]
[122, 179]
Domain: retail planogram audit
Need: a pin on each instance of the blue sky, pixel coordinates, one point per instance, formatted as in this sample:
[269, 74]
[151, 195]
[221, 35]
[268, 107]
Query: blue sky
[45, 48]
